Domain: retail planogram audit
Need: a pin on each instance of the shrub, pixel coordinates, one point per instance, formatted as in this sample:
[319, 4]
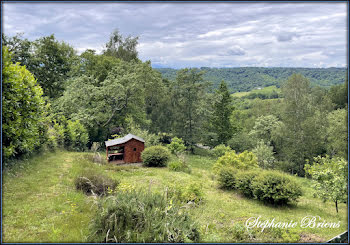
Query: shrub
[191, 192]
[52, 139]
[264, 154]
[95, 183]
[176, 146]
[77, 136]
[155, 156]
[220, 150]
[275, 188]
[23, 109]
[140, 217]
[244, 160]
[244, 180]
[227, 178]
[179, 166]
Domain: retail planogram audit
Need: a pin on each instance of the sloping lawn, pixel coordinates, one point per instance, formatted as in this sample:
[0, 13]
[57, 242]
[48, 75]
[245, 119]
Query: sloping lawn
[40, 203]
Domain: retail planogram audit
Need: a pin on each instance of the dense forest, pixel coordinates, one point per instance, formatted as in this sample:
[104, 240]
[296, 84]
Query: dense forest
[53, 97]
[248, 78]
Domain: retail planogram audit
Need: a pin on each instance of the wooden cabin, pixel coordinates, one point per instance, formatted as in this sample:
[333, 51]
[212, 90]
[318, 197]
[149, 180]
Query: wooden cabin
[125, 150]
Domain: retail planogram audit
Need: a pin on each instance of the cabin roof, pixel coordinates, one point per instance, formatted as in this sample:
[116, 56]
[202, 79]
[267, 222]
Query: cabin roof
[123, 140]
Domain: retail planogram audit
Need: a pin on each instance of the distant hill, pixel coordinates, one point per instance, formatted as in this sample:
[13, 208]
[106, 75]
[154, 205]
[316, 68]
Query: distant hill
[247, 78]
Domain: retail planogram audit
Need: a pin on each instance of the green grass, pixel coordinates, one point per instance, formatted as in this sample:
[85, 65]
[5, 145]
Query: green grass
[40, 203]
[266, 91]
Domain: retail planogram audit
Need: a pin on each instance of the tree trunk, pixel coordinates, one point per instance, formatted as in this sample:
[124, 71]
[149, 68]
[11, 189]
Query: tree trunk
[336, 205]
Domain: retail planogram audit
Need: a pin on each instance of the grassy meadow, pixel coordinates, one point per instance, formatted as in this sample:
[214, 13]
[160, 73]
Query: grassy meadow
[41, 204]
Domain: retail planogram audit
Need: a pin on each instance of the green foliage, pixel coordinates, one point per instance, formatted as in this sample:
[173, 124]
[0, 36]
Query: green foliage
[339, 94]
[264, 127]
[140, 217]
[180, 165]
[220, 150]
[220, 118]
[331, 178]
[155, 156]
[189, 105]
[244, 180]
[276, 188]
[92, 183]
[22, 109]
[77, 136]
[122, 48]
[186, 193]
[51, 63]
[176, 146]
[244, 160]
[337, 136]
[297, 109]
[249, 78]
[241, 141]
[150, 139]
[265, 155]
[227, 178]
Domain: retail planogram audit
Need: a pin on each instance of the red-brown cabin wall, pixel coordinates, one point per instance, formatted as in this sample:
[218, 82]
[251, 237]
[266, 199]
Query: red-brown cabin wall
[129, 154]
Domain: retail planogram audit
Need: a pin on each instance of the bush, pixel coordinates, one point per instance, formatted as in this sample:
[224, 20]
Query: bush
[176, 146]
[227, 178]
[140, 217]
[220, 150]
[77, 136]
[275, 188]
[23, 109]
[155, 156]
[244, 182]
[191, 192]
[95, 183]
[179, 166]
[244, 160]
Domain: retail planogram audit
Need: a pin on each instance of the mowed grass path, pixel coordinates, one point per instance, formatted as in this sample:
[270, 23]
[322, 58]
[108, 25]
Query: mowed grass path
[40, 203]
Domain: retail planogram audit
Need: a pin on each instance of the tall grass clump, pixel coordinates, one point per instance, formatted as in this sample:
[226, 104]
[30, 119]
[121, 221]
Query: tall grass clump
[92, 183]
[141, 217]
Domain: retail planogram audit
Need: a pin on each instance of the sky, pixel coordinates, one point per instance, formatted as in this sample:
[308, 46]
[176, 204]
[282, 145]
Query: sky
[179, 35]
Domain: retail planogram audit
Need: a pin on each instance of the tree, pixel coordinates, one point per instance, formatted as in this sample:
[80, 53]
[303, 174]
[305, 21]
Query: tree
[23, 108]
[189, 105]
[264, 127]
[297, 109]
[124, 98]
[339, 95]
[19, 48]
[122, 48]
[221, 114]
[337, 133]
[51, 64]
[331, 176]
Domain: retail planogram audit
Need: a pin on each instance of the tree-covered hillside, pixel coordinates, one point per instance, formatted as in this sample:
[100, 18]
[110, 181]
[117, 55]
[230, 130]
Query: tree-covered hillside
[248, 78]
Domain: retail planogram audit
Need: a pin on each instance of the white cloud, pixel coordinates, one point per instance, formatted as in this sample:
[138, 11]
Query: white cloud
[196, 34]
